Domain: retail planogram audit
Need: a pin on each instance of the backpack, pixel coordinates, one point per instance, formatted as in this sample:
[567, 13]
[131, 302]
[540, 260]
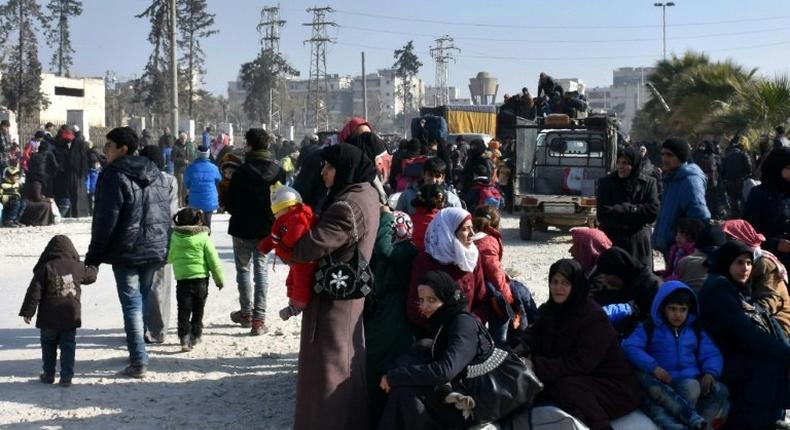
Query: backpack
[650, 326]
[429, 128]
[410, 170]
[486, 195]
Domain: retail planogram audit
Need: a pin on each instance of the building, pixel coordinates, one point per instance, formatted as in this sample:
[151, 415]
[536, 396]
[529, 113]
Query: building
[75, 101]
[483, 89]
[625, 96]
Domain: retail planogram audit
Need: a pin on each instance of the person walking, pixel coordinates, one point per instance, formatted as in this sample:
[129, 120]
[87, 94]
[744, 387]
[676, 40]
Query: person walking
[200, 180]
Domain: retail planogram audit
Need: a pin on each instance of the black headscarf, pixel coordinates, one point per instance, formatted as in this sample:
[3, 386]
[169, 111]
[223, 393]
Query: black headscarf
[352, 167]
[710, 238]
[370, 143]
[617, 261]
[771, 175]
[724, 257]
[446, 289]
[572, 271]
[635, 158]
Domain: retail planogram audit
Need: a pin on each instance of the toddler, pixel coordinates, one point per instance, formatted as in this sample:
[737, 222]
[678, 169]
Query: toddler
[688, 230]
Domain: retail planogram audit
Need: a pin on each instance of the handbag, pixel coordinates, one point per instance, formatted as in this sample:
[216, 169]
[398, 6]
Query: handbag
[338, 280]
[763, 320]
[499, 385]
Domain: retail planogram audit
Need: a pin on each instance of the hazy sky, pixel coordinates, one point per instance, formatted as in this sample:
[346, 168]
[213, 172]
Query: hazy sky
[514, 40]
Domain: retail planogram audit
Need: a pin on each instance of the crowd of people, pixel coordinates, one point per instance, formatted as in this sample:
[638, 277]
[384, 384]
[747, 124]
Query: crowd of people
[409, 319]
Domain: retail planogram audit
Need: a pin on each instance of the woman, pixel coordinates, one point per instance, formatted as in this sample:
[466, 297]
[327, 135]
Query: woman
[586, 245]
[331, 388]
[768, 207]
[38, 208]
[627, 205]
[419, 393]
[755, 361]
[200, 180]
[449, 248]
[576, 353]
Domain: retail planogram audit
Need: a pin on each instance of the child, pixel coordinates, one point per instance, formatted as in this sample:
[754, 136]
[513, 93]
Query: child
[11, 197]
[482, 192]
[91, 180]
[227, 166]
[429, 201]
[293, 220]
[688, 230]
[55, 291]
[193, 256]
[679, 364]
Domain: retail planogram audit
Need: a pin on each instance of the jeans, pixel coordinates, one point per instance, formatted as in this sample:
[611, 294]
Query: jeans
[14, 210]
[679, 406]
[191, 296]
[67, 341]
[133, 285]
[251, 303]
[156, 313]
[64, 205]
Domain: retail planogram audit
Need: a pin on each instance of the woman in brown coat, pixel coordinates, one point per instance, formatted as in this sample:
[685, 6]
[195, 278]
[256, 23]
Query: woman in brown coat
[331, 391]
[576, 353]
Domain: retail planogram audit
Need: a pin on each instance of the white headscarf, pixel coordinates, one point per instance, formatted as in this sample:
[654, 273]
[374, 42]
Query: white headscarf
[442, 245]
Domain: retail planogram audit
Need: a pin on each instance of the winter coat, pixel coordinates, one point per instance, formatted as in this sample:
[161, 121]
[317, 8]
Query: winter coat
[489, 243]
[769, 288]
[684, 197]
[55, 288]
[172, 187]
[179, 158]
[308, 181]
[193, 255]
[408, 195]
[769, 213]
[167, 156]
[131, 214]
[421, 218]
[92, 179]
[200, 180]
[736, 165]
[249, 201]
[472, 284]
[677, 350]
[692, 271]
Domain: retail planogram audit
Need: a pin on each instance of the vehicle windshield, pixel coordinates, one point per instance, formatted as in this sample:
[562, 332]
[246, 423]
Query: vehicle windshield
[561, 145]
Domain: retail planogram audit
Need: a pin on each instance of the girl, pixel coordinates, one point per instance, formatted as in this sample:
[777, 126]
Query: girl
[193, 256]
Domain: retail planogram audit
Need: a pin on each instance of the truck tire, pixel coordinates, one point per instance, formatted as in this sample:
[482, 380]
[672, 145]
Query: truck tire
[525, 228]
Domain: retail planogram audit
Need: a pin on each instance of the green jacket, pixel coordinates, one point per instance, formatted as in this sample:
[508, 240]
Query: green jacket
[193, 255]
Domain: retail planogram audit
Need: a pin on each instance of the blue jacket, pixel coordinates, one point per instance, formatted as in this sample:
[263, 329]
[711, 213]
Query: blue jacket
[167, 156]
[684, 197]
[91, 179]
[200, 180]
[679, 352]
[410, 193]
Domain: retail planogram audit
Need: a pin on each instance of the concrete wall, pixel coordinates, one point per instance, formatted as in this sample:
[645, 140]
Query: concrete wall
[91, 102]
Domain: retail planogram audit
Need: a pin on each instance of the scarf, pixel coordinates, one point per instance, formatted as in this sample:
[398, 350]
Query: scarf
[443, 246]
[573, 272]
[446, 290]
[742, 231]
[588, 244]
[258, 154]
[351, 166]
[617, 261]
[402, 227]
[723, 258]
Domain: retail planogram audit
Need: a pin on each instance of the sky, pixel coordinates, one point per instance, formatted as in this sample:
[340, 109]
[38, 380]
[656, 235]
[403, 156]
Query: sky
[514, 40]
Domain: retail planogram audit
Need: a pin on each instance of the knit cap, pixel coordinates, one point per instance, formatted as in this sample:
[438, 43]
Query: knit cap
[402, 227]
[203, 152]
[283, 197]
[679, 147]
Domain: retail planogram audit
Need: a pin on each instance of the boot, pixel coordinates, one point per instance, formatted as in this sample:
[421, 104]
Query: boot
[186, 345]
[257, 328]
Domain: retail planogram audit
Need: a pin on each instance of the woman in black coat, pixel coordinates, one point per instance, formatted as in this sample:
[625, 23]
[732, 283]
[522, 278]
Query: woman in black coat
[627, 204]
[755, 362]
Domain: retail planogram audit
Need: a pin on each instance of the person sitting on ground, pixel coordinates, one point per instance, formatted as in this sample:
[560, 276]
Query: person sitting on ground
[55, 291]
[293, 220]
[688, 229]
[587, 244]
[433, 172]
[11, 197]
[679, 364]
[38, 207]
[449, 248]
[755, 361]
[429, 200]
[692, 269]
[193, 257]
[576, 353]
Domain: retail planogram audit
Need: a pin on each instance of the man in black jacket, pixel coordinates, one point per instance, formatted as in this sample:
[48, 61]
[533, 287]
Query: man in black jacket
[736, 167]
[251, 219]
[131, 220]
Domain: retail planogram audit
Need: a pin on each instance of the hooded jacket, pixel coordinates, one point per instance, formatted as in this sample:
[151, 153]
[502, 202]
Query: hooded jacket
[683, 197]
[637, 194]
[249, 201]
[55, 288]
[768, 207]
[201, 179]
[131, 214]
[678, 351]
[192, 254]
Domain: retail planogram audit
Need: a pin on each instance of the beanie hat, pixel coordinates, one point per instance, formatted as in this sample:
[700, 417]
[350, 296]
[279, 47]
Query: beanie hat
[402, 227]
[283, 197]
[203, 152]
[679, 147]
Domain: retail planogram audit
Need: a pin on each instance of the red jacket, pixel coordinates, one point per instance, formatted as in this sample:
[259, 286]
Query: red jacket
[286, 232]
[471, 283]
[421, 218]
[490, 247]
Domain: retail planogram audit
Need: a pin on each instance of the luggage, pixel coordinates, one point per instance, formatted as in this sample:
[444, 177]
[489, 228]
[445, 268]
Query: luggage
[429, 128]
[557, 120]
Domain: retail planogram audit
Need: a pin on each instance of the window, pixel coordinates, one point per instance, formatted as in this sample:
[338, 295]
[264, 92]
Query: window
[574, 146]
[70, 92]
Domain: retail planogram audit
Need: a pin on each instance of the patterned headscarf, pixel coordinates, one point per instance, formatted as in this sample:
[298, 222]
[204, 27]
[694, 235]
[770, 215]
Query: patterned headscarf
[742, 231]
[402, 227]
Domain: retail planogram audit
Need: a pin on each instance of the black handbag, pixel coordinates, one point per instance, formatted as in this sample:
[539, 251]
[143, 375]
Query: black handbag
[763, 320]
[337, 280]
[499, 385]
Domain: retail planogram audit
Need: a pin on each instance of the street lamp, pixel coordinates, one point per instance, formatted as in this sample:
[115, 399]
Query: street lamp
[664, 7]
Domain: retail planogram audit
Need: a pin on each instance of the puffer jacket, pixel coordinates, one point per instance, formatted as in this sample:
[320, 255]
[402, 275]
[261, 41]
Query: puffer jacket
[201, 179]
[684, 197]
[248, 198]
[489, 243]
[131, 214]
[678, 351]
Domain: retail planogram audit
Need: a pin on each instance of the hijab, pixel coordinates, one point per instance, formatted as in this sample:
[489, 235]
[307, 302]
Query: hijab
[351, 165]
[589, 243]
[446, 289]
[617, 261]
[723, 258]
[742, 231]
[443, 246]
[634, 158]
[771, 176]
[573, 272]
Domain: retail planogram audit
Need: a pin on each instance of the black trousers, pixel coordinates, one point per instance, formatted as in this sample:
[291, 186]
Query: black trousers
[191, 296]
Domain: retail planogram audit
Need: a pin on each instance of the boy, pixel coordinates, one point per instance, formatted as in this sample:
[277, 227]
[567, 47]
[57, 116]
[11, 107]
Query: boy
[55, 290]
[11, 197]
[433, 172]
[679, 364]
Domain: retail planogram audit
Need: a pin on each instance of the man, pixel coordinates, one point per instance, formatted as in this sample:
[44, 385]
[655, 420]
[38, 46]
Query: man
[432, 173]
[5, 143]
[166, 140]
[781, 140]
[180, 160]
[684, 193]
[207, 136]
[166, 148]
[130, 227]
[735, 168]
[251, 219]
[49, 133]
[545, 85]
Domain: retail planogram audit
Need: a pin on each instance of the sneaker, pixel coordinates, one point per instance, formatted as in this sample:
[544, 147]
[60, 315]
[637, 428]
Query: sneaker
[47, 379]
[241, 318]
[186, 345]
[136, 371]
[65, 383]
[257, 328]
[195, 340]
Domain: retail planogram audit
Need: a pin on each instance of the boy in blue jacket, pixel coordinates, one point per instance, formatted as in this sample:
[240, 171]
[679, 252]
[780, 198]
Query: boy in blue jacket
[678, 363]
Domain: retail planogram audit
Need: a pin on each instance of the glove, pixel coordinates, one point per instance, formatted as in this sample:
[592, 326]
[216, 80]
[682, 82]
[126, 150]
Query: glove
[289, 311]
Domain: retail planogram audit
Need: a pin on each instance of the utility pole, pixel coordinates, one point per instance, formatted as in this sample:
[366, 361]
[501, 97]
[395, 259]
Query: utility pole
[664, 7]
[174, 66]
[269, 28]
[364, 90]
[442, 54]
[317, 95]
